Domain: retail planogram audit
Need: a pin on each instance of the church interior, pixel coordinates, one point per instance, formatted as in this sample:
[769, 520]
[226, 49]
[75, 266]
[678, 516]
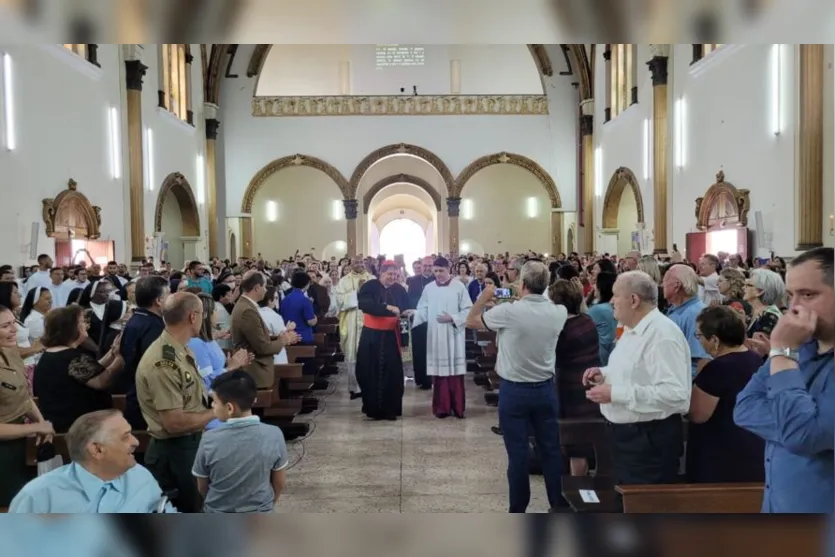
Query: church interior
[274, 158]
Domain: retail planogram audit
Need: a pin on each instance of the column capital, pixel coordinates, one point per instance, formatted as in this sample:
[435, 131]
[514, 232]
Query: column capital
[212, 124]
[350, 208]
[134, 72]
[210, 111]
[586, 125]
[587, 107]
[659, 51]
[453, 206]
[658, 69]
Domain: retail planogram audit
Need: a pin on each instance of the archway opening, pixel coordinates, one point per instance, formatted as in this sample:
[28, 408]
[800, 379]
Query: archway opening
[177, 221]
[403, 236]
[623, 215]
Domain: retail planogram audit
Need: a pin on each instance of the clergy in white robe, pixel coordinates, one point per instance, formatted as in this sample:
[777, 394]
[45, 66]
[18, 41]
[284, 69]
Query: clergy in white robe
[350, 319]
[444, 306]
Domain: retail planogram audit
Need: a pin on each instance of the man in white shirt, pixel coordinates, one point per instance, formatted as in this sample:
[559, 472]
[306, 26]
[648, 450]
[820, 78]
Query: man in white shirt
[645, 389]
[41, 277]
[709, 289]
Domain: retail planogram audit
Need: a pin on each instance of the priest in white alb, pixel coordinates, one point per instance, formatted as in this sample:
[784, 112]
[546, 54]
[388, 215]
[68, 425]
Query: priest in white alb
[444, 305]
[350, 319]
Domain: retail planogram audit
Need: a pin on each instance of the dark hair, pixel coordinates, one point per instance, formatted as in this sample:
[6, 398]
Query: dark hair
[605, 282]
[208, 309]
[196, 290]
[299, 280]
[237, 388]
[6, 291]
[149, 290]
[30, 302]
[606, 266]
[823, 257]
[192, 265]
[566, 293]
[61, 326]
[220, 291]
[253, 281]
[441, 262]
[567, 272]
[42, 257]
[724, 323]
[269, 296]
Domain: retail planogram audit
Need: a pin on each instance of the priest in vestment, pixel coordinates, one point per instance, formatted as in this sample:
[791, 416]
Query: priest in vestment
[350, 318]
[444, 306]
[379, 363]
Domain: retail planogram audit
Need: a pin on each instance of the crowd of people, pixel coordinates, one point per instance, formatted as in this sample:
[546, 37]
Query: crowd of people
[743, 350]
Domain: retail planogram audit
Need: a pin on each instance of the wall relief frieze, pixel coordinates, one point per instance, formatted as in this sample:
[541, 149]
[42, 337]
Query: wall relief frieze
[401, 105]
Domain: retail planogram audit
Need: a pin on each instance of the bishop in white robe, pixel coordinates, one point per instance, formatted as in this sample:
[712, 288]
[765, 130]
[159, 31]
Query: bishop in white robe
[350, 319]
[444, 306]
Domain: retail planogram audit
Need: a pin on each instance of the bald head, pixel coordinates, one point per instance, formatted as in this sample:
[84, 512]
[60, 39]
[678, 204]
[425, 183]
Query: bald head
[179, 307]
[641, 285]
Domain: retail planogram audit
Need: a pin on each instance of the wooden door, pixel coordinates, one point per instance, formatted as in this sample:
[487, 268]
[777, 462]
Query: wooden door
[696, 246]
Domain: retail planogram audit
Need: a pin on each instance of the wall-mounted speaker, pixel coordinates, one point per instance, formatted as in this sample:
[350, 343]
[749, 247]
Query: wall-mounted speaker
[33, 240]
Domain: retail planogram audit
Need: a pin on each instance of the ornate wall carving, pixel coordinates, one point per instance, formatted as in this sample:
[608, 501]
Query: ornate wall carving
[177, 184]
[509, 158]
[285, 162]
[723, 206]
[400, 179]
[71, 213]
[399, 149]
[401, 105]
[622, 178]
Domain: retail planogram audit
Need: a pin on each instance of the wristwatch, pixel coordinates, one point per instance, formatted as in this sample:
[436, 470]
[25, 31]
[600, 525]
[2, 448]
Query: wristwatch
[789, 353]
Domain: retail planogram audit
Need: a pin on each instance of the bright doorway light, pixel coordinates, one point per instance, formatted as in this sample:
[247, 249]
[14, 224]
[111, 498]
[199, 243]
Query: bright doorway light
[403, 237]
[776, 85]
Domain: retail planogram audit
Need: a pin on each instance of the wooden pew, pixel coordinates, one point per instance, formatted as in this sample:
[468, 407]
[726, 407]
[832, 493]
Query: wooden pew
[276, 405]
[590, 432]
[692, 498]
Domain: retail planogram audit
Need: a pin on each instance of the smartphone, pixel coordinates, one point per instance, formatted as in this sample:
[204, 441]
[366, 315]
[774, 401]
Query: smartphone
[503, 293]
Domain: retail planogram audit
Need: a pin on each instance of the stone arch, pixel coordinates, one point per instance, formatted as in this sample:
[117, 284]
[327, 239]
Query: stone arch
[400, 179]
[723, 206]
[177, 184]
[571, 239]
[71, 214]
[399, 149]
[509, 158]
[286, 162]
[621, 179]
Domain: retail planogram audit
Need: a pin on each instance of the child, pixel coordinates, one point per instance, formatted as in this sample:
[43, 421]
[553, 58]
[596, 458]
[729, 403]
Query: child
[240, 466]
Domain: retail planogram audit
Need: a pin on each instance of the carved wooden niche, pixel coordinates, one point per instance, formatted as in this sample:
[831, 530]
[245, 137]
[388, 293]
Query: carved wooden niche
[71, 215]
[723, 206]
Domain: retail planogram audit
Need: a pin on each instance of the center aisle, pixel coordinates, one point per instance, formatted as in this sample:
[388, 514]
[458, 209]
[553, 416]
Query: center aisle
[414, 465]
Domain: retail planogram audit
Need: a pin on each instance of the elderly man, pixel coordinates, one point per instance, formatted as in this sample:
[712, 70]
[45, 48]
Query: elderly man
[681, 289]
[102, 478]
[645, 389]
[630, 260]
[709, 267]
[476, 286]
[790, 402]
[527, 332]
[350, 319]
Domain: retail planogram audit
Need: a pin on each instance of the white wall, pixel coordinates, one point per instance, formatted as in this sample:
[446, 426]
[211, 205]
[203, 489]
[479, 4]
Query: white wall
[336, 69]
[60, 109]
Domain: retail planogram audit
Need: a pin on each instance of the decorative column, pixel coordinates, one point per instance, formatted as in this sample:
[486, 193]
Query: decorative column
[351, 224]
[246, 236]
[453, 206]
[134, 71]
[212, 124]
[658, 69]
[810, 149]
[556, 232]
[587, 213]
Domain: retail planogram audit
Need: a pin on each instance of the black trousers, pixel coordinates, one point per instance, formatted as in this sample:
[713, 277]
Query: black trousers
[647, 452]
[14, 473]
[171, 462]
[419, 335]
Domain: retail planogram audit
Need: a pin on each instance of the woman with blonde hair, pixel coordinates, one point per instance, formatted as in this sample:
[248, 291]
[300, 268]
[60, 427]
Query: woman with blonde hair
[649, 265]
[732, 288]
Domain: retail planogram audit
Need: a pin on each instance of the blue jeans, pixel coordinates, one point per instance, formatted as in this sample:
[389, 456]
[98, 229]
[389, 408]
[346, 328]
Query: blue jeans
[524, 409]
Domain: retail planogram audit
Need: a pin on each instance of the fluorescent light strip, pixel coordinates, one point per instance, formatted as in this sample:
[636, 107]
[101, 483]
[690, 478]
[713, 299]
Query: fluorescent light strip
[680, 115]
[8, 103]
[115, 144]
[598, 171]
[201, 183]
[272, 211]
[647, 148]
[149, 147]
[776, 81]
[533, 208]
[336, 209]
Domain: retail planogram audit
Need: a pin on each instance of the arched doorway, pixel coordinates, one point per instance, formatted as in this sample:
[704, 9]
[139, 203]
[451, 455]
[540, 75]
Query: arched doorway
[233, 248]
[623, 214]
[177, 220]
[570, 240]
[403, 236]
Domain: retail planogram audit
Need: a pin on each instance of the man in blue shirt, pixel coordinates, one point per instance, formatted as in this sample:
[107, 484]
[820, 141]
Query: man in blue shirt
[681, 290]
[196, 273]
[298, 308]
[102, 478]
[790, 402]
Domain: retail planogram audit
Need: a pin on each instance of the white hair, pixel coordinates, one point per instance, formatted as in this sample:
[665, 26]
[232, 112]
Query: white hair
[640, 284]
[535, 277]
[772, 286]
[687, 277]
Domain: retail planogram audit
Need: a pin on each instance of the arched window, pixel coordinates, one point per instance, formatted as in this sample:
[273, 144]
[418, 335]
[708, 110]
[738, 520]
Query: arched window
[175, 80]
[702, 50]
[87, 51]
[621, 78]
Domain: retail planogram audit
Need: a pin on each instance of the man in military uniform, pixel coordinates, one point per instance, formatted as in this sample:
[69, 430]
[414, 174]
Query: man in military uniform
[173, 401]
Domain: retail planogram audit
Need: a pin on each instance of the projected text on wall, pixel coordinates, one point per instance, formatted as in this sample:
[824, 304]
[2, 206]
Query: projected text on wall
[399, 55]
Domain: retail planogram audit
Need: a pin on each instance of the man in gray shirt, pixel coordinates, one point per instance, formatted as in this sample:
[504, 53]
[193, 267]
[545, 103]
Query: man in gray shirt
[240, 466]
[526, 336]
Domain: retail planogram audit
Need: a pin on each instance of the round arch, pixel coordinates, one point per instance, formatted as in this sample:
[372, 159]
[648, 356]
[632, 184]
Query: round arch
[285, 162]
[622, 178]
[509, 158]
[400, 179]
[177, 184]
[399, 149]
[71, 214]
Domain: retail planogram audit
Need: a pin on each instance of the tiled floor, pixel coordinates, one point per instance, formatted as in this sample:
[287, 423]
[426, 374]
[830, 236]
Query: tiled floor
[416, 464]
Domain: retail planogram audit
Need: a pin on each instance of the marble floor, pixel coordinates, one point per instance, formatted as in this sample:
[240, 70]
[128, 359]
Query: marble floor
[418, 464]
